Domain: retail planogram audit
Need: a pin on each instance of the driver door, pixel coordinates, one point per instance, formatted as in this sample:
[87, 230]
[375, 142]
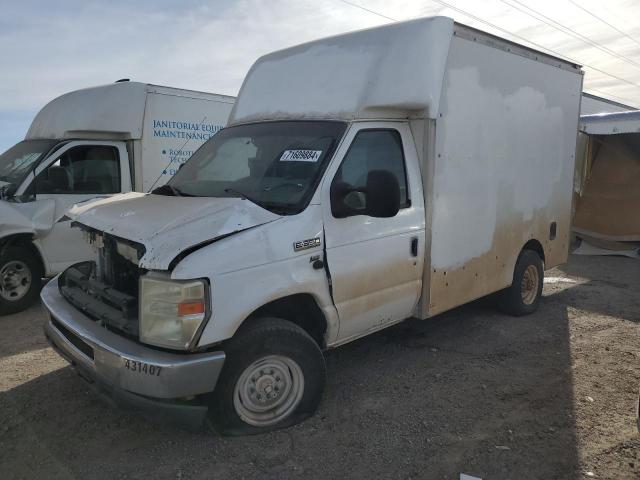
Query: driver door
[375, 264]
[79, 171]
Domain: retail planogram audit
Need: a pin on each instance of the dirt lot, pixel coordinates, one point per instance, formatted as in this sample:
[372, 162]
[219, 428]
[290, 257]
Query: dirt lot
[547, 396]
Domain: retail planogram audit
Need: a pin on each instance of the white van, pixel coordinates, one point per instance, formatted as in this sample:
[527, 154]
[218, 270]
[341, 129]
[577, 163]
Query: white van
[89, 143]
[389, 173]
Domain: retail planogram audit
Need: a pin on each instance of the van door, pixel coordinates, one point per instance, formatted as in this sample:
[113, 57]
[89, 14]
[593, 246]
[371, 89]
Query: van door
[375, 264]
[79, 171]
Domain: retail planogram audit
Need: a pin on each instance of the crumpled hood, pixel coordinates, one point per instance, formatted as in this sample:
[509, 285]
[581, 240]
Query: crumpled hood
[167, 226]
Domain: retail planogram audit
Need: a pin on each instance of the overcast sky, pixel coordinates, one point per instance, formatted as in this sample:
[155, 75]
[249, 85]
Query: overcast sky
[52, 47]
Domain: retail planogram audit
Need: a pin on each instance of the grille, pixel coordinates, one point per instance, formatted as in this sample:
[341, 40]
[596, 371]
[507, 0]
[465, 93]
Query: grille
[115, 270]
[105, 290]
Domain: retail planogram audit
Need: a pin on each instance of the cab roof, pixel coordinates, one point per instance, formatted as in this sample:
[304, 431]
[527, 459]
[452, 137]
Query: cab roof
[378, 72]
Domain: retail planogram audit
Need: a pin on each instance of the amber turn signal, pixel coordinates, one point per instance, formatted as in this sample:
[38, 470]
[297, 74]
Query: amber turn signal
[190, 308]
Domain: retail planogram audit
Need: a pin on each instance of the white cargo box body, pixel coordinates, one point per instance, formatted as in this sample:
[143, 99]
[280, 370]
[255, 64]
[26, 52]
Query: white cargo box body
[494, 124]
[163, 126]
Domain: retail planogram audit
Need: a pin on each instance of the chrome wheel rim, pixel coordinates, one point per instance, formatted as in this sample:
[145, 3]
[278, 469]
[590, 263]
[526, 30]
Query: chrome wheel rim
[15, 280]
[268, 390]
[529, 285]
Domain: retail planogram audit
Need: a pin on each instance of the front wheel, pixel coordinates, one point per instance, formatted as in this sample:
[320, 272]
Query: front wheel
[20, 279]
[273, 377]
[523, 296]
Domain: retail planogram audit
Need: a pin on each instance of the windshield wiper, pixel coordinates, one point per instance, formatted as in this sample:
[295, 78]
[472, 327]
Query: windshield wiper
[166, 188]
[281, 208]
[273, 207]
[244, 195]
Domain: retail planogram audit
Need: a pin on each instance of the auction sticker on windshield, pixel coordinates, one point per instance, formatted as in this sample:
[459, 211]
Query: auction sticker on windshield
[301, 156]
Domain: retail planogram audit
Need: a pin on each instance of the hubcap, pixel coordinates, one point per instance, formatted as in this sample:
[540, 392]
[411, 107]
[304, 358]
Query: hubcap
[15, 280]
[529, 285]
[268, 390]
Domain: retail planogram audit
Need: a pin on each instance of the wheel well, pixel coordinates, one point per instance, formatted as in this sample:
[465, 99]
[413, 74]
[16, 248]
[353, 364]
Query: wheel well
[24, 240]
[300, 309]
[536, 246]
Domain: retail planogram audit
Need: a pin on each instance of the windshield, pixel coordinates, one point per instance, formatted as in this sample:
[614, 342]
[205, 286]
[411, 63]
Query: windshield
[18, 161]
[276, 165]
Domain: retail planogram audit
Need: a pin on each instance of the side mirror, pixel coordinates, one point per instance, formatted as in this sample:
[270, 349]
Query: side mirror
[338, 193]
[382, 196]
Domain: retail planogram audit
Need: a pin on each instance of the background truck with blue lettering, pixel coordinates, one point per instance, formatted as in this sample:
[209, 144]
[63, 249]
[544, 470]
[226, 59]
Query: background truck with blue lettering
[95, 142]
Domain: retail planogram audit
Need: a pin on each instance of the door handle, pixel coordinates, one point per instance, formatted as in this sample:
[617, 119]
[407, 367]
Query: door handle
[414, 247]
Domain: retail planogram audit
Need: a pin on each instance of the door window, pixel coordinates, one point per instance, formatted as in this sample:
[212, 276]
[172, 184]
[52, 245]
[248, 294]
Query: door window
[373, 150]
[86, 169]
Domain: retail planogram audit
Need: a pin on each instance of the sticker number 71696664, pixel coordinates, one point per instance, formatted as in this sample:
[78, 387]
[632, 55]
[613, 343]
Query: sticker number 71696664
[142, 368]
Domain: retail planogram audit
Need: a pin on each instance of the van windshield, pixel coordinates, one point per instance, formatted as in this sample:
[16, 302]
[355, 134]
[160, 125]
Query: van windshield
[18, 161]
[276, 165]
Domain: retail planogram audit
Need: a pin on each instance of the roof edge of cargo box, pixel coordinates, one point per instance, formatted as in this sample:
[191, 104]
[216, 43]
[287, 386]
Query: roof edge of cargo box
[112, 111]
[611, 123]
[488, 39]
[375, 73]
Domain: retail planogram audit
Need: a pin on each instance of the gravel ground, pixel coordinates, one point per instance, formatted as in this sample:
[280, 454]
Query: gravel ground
[546, 396]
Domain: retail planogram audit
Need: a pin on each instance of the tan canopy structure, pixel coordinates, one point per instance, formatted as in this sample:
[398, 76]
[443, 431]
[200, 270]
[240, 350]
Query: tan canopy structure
[607, 182]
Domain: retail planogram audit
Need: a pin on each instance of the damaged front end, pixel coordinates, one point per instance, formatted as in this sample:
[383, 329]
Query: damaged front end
[145, 306]
[107, 289]
[108, 320]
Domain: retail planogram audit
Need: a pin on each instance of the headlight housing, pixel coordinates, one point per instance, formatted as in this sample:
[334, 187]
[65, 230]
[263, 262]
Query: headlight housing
[171, 311]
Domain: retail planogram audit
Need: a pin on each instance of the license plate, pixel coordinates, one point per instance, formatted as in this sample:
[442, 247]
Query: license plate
[142, 368]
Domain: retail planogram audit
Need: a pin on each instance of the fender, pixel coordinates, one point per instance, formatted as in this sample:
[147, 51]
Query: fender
[25, 223]
[233, 303]
[35, 218]
[265, 258]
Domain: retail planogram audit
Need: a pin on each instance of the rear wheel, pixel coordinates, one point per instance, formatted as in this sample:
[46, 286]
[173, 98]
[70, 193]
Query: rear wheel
[273, 377]
[20, 279]
[523, 296]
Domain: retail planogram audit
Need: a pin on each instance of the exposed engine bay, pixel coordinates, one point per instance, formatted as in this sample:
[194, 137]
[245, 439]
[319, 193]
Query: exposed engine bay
[107, 289]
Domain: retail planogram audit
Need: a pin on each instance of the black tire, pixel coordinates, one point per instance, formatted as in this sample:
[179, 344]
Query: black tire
[24, 259]
[264, 340]
[512, 300]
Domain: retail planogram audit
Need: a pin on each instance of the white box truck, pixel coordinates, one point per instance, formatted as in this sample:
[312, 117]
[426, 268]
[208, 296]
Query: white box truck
[87, 143]
[363, 179]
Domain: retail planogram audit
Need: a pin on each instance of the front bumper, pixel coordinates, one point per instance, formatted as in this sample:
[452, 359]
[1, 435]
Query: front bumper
[130, 372]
